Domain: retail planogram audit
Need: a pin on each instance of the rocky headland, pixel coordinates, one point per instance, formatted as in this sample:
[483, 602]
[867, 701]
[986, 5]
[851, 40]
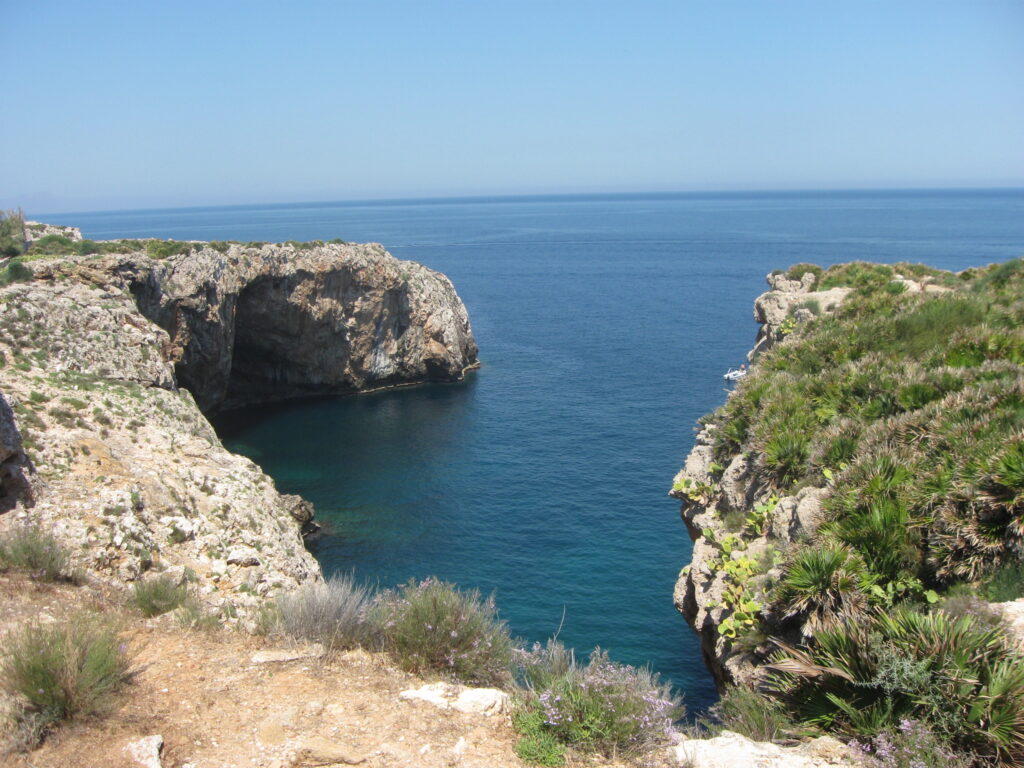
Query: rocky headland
[113, 359]
[865, 468]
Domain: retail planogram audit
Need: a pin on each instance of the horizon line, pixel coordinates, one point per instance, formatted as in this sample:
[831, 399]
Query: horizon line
[538, 196]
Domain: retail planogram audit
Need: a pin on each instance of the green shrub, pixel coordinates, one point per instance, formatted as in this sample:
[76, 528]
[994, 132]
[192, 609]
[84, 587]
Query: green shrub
[857, 274]
[159, 595]
[62, 671]
[87, 247]
[53, 245]
[162, 249]
[333, 612]
[12, 233]
[605, 707]
[433, 626]
[824, 584]
[15, 272]
[537, 744]
[1006, 584]
[752, 714]
[811, 305]
[785, 455]
[910, 745]
[958, 677]
[797, 271]
[30, 548]
[191, 614]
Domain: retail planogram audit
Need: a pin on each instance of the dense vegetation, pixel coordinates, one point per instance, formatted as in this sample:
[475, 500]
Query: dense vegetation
[909, 408]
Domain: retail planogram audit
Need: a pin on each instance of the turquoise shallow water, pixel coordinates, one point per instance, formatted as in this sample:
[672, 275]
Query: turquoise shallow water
[604, 326]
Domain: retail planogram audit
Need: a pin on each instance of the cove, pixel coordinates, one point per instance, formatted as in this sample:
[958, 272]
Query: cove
[604, 325]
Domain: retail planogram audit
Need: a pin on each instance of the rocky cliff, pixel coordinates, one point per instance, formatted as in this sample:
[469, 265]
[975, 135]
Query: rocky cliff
[111, 361]
[741, 525]
[261, 322]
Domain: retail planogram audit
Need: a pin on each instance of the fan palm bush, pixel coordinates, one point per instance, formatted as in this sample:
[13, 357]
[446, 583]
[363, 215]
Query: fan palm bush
[956, 675]
[823, 585]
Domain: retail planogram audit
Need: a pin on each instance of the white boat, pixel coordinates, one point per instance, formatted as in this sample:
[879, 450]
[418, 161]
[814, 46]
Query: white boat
[735, 375]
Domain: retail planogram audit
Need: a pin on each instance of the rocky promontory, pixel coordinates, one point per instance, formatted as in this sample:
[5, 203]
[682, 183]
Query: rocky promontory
[112, 360]
[832, 408]
[718, 500]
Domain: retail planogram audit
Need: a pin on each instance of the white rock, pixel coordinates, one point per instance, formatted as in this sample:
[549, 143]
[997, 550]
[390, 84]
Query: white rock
[460, 745]
[731, 750]
[482, 701]
[243, 556]
[146, 751]
[437, 694]
[1013, 614]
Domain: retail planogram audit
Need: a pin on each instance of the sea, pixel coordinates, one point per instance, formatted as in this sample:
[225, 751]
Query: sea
[605, 323]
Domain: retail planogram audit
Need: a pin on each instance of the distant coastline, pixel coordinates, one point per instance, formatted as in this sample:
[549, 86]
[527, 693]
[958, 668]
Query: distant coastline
[766, 193]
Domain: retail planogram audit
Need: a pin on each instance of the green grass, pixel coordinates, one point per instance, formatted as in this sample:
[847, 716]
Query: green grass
[61, 671]
[30, 548]
[159, 595]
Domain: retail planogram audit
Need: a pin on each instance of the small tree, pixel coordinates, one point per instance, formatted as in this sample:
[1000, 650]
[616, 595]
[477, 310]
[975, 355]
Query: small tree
[12, 233]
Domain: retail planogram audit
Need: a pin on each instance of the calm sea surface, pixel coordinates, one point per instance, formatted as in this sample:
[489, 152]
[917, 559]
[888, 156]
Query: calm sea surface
[604, 325]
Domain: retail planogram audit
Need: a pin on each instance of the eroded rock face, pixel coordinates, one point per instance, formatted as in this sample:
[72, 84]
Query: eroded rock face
[128, 471]
[276, 321]
[786, 298]
[14, 465]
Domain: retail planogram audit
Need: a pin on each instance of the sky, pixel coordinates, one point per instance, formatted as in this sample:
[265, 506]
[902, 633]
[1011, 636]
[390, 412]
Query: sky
[122, 105]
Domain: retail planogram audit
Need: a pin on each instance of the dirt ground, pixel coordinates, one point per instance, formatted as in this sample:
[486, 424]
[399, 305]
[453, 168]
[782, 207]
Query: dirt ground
[215, 707]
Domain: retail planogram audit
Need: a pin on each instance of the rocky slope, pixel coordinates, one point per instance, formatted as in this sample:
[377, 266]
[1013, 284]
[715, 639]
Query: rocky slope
[112, 360]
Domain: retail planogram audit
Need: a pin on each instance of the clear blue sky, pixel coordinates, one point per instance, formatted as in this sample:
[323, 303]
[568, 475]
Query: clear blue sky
[145, 104]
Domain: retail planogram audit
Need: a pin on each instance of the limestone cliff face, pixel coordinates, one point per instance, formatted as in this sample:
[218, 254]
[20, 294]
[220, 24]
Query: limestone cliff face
[111, 361]
[787, 298]
[270, 322]
[14, 464]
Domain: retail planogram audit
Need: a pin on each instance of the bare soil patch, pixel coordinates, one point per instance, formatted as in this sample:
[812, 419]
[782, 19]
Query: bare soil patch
[215, 707]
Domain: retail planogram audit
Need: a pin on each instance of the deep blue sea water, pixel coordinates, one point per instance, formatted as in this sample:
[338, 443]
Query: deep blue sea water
[604, 324]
